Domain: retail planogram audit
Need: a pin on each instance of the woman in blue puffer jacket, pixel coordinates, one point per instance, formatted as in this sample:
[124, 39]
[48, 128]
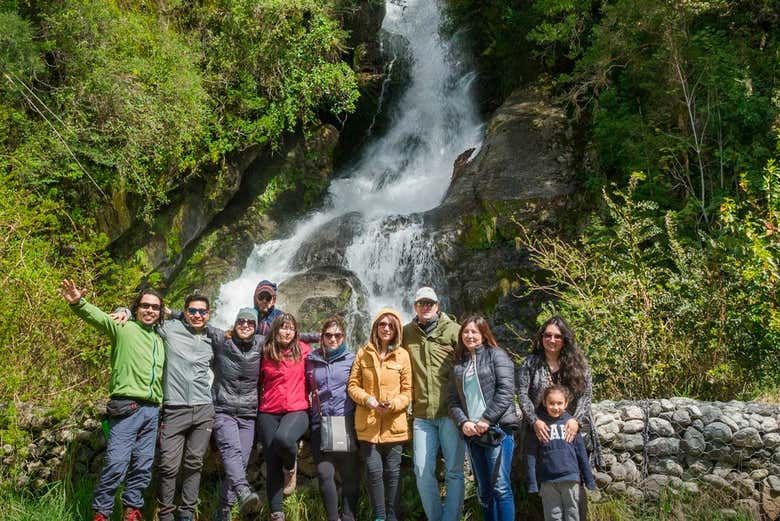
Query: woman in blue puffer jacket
[327, 373]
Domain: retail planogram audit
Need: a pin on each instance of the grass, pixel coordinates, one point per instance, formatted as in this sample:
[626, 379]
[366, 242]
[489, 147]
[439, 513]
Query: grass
[62, 502]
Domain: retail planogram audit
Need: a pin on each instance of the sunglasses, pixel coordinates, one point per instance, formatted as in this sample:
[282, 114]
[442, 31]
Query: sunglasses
[334, 336]
[385, 325]
[198, 311]
[264, 296]
[425, 303]
[149, 305]
[246, 322]
[552, 336]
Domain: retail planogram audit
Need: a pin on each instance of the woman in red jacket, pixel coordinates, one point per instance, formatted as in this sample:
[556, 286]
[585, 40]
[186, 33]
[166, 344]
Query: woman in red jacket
[283, 408]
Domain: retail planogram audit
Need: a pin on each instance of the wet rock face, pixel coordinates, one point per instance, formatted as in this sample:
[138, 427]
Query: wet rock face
[316, 294]
[326, 246]
[523, 171]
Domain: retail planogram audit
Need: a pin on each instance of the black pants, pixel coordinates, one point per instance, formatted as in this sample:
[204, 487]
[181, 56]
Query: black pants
[383, 471]
[279, 434]
[347, 465]
[184, 437]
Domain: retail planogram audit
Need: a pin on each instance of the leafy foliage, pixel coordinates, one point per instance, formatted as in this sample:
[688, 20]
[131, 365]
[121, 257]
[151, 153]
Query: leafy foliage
[108, 105]
[659, 316]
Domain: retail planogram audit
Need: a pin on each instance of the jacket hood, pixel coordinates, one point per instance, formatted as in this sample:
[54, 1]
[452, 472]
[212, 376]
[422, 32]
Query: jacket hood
[397, 315]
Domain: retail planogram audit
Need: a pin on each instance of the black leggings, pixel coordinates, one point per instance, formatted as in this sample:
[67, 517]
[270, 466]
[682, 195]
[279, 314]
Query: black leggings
[347, 464]
[383, 470]
[279, 434]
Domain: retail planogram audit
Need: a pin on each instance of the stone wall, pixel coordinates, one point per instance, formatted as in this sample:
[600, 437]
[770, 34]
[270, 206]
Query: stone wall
[733, 447]
[683, 444]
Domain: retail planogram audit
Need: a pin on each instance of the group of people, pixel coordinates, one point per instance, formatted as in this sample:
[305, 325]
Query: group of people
[263, 380]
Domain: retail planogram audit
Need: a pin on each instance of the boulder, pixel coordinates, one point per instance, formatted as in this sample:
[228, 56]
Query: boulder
[321, 292]
[693, 442]
[327, 245]
[718, 432]
[633, 426]
[748, 437]
[663, 447]
[661, 427]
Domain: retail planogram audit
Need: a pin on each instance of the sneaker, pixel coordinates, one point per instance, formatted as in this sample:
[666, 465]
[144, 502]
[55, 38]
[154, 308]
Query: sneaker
[277, 516]
[223, 514]
[97, 516]
[133, 514]
[289, 479]
[248, 501]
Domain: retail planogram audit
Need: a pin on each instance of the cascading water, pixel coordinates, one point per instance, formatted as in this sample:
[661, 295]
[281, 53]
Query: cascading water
[403, 172]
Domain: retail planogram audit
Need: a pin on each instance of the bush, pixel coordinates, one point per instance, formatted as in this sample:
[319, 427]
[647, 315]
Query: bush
[661, 316]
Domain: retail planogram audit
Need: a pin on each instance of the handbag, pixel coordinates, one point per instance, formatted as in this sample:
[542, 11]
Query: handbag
[337, 433]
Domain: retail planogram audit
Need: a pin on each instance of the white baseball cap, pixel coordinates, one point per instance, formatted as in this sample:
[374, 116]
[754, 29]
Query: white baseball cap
[425, 293]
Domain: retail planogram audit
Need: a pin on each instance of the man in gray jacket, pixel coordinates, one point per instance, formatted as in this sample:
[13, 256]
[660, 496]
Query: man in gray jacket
[188, 412]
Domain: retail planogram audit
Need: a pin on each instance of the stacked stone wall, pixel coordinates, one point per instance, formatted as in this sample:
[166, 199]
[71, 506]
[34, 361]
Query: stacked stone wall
[683, 444]
[647, 446]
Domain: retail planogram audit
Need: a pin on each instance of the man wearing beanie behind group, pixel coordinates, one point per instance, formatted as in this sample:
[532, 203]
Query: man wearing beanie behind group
[431, 338]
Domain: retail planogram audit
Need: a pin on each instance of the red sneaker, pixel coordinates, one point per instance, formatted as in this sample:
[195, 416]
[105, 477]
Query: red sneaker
[133, 514]
[97, 516]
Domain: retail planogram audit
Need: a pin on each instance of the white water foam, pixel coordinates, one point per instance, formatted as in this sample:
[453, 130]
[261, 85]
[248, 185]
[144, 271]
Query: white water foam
[405, 171]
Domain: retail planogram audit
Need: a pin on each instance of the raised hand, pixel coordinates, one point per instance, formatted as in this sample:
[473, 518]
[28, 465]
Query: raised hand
[70, 292]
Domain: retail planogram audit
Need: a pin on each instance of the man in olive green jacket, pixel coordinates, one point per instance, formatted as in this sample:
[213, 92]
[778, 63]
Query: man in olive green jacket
[431, 338]
[137, 360]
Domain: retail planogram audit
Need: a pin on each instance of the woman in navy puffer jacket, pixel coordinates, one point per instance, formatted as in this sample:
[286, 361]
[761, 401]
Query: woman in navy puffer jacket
[327, 373]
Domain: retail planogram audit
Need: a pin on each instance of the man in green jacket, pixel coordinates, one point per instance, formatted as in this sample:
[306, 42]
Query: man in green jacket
[137, 360]
[431, 338]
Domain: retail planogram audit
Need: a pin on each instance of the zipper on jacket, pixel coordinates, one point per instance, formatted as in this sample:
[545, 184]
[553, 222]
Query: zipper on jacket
[479, 384]
[154, 366]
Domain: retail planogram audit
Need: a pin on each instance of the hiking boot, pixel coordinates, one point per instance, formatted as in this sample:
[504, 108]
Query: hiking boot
[133, 514]
[277, 516]
[223, 514]
[248, 501]
[289, 479]
[185, 517]
[97, 516]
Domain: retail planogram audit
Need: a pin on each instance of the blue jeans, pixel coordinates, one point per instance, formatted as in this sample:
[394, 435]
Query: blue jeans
[428, 437]
[129, 457]
[492, 467]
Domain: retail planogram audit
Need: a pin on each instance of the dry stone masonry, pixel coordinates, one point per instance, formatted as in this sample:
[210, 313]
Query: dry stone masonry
[683, 444]
[647, 446]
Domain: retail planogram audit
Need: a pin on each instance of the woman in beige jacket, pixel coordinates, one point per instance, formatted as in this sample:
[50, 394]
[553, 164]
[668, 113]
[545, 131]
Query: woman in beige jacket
[381, 386]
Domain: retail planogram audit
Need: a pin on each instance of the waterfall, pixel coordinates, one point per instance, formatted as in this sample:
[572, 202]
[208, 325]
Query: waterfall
[401, 173]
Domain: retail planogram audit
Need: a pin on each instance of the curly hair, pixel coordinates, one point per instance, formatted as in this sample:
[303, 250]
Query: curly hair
[574, 367]
[272, 349]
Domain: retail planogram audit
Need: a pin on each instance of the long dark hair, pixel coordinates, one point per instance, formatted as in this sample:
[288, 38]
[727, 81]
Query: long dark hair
[271, 348]
[573, 363]
[488, 340]
[137, 302]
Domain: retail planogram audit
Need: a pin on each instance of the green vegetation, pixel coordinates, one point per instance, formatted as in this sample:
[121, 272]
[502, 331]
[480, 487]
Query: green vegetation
[61, 502]
[672, 286]
[106, 110]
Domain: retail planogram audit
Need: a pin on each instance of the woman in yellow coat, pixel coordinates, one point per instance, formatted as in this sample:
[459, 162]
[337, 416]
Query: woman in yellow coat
[381, 386]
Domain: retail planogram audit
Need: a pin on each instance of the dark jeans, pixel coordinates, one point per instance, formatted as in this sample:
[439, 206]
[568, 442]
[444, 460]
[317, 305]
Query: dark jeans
[234, 437]
[129, 458]
[279, 434]
[383, 470]
[184, 437]
[347, 464]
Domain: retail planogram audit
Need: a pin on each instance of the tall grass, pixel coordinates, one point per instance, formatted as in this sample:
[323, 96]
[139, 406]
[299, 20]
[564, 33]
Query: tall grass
[62, 502]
